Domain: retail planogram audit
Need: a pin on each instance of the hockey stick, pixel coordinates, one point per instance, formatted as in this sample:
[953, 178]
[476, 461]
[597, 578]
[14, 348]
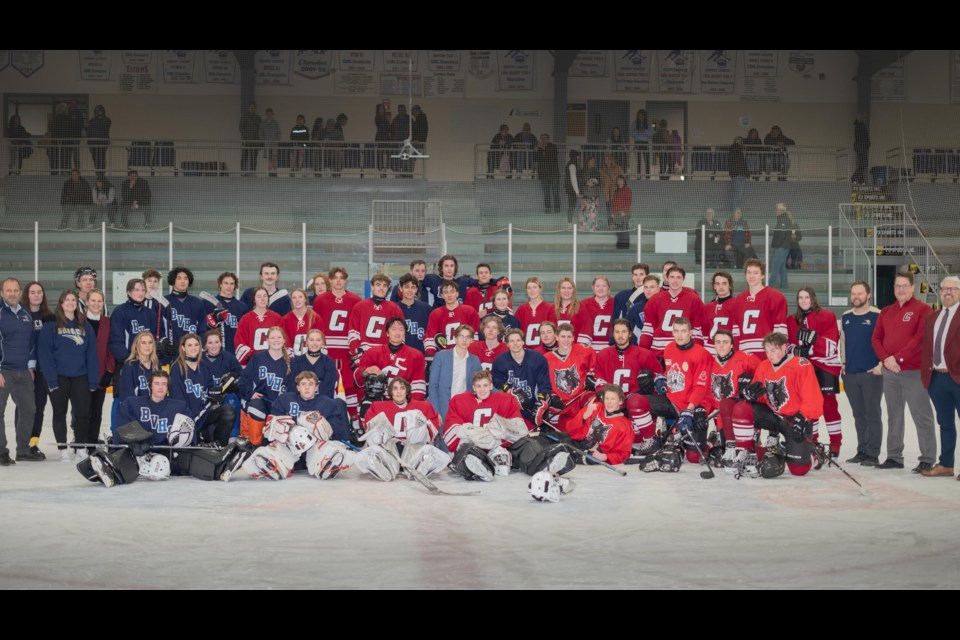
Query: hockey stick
[106, 445]
[416, 475]
[208, 297]
[593, 459]
[817, 449]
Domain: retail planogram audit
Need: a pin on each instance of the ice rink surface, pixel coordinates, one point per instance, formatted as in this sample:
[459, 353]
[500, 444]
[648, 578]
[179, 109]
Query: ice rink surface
[645, 530]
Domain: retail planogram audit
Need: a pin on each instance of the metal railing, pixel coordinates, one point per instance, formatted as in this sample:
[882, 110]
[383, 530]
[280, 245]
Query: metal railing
[927, 162]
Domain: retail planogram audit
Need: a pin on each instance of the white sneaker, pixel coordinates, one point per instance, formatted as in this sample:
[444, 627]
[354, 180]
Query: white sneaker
[65, 455]
[82, 455]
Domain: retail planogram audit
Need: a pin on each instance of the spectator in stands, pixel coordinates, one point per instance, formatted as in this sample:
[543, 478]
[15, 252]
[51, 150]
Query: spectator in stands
[250, 139]
[608, 178]
[98, 139]
[737, 166]
[420, 130]
[336, 137]
[20, 146]
[401, 131]
[74, 132]
[621, 202]
[618, 148]
[737, 239]
[300, 136]
[270, 134]
[59, 134]
[524, 143]
[795, 259]
[104, 202]
[714, 239]
[642, 134]
[777, 159]
[784, 233]
[547, 159]
[590, 171]
[589, 215]
[861, 146]
[383, 136]
[662, 148]
[753, 151]
[571, 182]
[316, 155]
[75, 198]
[499, 157]
[135, 197]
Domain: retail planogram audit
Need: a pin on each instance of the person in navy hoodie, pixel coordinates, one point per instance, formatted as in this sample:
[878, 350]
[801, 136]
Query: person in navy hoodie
[68, 356]
[18, 361]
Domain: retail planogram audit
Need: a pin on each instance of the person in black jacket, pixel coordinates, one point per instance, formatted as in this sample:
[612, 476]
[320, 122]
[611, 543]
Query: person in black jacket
[135, 196]
[250, 137]
[571, 182]
[98, 139]
[777, 159]
[20, 145]
[547, 158]
[739, 172]
[785, 233]
[75, 198]
[300, 135]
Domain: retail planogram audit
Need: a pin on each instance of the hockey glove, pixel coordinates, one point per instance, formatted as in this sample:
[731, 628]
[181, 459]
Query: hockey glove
[660, 384]
[355, 358]
[753, 391]
[590, 384]
[215, 395]
[684, 423]
[441, 341]
[802, 350]
[504, 285]
[744, 380]
[701, 421]
[218, 317]
[806, 336]
[645, 382]
[799, 427]
[522, 395]
[166, 349]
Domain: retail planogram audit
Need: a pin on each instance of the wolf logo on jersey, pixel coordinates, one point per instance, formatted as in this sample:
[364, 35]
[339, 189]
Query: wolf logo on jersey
[777, 393]
[722, 385]
[598, 431]
[567, 380]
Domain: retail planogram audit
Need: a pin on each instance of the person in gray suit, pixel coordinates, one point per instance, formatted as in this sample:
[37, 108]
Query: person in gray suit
[452, 371]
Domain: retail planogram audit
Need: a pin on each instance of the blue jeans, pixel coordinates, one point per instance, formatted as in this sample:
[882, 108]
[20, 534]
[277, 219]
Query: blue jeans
[945, 395]
[778, 268]
[736, 191]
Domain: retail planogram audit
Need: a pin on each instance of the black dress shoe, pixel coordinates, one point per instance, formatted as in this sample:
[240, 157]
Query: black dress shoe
[6, 460]
[923, 466]
[870, 462]
[857, 459]
[30, 456]
[890, 463]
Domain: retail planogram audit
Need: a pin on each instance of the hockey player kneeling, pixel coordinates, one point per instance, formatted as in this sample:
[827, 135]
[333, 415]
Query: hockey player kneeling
[784, 398]
[158, 420]
[601, 428]
[488, 437]
[302, 424]
[400, 432]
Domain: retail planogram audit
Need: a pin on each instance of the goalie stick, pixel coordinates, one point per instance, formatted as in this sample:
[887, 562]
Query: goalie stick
[817, 450]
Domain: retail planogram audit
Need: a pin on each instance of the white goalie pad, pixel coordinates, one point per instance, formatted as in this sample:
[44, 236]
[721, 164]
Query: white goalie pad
[426, 459]
[501, 459]
[181, 433]
[479, 436]
[300, 440]
[316, 424]
[274, 461]
[509, 429]
[379, 431]
[154, 466]
[418, 429]
[378, 462]
[277, 428]
[326, 459]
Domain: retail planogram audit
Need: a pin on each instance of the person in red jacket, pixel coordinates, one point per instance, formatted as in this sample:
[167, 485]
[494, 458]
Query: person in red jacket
[571, 377]
[760, 310]
[621, 203]
[603, 429]
[480, 297]
[813, 334]
[675, 301]
[897, 341]
[368, 318]
[784, 398]
[730, 370]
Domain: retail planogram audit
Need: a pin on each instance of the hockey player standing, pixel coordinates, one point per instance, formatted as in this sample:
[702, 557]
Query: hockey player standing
[534, 311]
[760, 310]
[674, 301]
[279, 299]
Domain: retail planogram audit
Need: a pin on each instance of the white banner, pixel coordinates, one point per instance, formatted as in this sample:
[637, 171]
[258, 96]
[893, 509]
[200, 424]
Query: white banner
[439, 60]
[888, 84]
[27, 61]
[219, 66]
[399, 60]
[589, 63]
[356, 84]
[718, 71]
[137, 72]
[801, 63]
[675, 70]
[761, 75]
[398, 84]
[95, 65]
[313, 63]
[356, 60]
[631, 70]
[178, 65]
[272, 66]
[517, 69]
[444, 85]
[481, 63]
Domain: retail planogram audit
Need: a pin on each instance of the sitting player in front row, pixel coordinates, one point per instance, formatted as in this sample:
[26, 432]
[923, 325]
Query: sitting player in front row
[731, 370]
[602, 429]
[784, 398]
[400, 431]
[302, 422]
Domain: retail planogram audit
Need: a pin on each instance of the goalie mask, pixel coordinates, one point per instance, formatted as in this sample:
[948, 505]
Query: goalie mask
[548, 487]
[300, 439]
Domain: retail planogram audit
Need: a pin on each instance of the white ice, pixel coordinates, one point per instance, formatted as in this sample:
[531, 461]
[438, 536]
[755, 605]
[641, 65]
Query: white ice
[645, 530]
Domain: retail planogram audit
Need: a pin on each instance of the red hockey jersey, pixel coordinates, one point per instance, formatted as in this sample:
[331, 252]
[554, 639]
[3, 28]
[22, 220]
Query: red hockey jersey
[612, 433]
[531, 318]
[595, 319]
[444, 321]
[724, 376]
[825, 353]
[297, 328]
[621, 367]
[252, 333]
[368, 323]
[335, 315]
[757, 316]
[485, 354]
[719, 315]
[792, 387]
[401, 415]
[483, 303]
[568, 375]
[660, 313]
[466, 408]
[688, 375]
[406, 363]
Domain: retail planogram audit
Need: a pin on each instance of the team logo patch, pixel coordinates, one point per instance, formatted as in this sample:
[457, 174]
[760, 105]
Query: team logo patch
[685, 366]
[777, 393]
[599, 431]
[907, 316]
[722, 385]
[566, 380]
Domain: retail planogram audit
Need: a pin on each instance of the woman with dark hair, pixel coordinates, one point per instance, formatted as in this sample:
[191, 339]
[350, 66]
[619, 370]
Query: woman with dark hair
[104, 202]
[381, 120]
[20, 146]
[813, 334]
[192, 382]
[753, 152]
[67, 352]
[98, 139]
[34, 300]
[642, 133]
[100, 322]
[316, 155]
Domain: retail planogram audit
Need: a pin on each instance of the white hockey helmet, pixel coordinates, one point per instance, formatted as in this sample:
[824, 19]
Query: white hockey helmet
[545, 487]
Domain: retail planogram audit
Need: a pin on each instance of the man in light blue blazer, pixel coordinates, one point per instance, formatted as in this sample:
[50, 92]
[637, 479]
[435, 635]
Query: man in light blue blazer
[452, 371]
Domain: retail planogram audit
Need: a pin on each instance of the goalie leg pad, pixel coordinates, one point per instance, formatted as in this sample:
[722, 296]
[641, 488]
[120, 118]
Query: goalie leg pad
[326, 459]
[218, 425]
[378, 462]
[471, 462]
[201, 464]
[427, 459]
[274, 461]
[154, 466]
[234, 455]
[533, 454]
[481, 437]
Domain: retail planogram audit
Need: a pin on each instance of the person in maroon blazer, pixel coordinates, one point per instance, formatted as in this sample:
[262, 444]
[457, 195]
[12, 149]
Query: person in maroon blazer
[940, 371]
[98, 319]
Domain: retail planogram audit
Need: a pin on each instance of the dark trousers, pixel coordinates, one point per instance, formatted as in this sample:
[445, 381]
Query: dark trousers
[551, 194]
[76, 393]
[248, 159]
[18, 383]
[40, 393]
[99, 155]
[945, 395]
[864, 391]
[96, 412]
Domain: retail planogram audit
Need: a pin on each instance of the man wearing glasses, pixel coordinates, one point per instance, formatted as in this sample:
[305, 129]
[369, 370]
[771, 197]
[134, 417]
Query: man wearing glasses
[940, 371]
[897, 342]
[452, 370]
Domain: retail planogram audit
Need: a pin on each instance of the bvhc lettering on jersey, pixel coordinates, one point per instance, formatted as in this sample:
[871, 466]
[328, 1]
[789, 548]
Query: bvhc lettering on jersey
[193, 389]
[156, 423]
[415, 329]
[182, 321]
[273, 381]
[294, 409]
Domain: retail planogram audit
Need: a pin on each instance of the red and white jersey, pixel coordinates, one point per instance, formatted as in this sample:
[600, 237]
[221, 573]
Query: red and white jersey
[485, 354]
[368, 323]
[613, 434]
[719, 315]
[252, 333]
[661, 312]
[407, 363]
[757, 316]
[621, 367]
[595, 319]
[444, 321]
[297, 328]
[402, 415]
[791, 387]
[725, 375]
[531, 318]
[825, 353]
[542, 350]
[483, 303]
[688, 375]
[568, 374]
[465, 408]
[335, 314]
[571, 318]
